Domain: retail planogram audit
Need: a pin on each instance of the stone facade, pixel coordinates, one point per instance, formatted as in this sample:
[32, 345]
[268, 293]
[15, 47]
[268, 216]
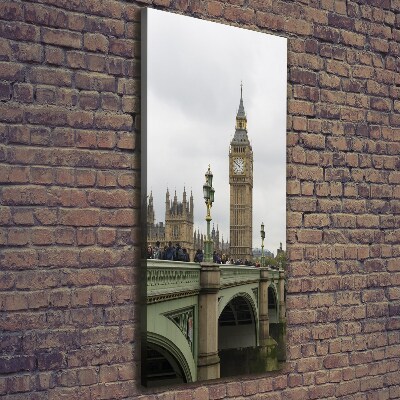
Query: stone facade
[178, 227]
[70, 205]
[179, 222]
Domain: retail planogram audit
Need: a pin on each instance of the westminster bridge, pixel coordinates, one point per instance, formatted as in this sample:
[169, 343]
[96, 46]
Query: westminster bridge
[208, 320]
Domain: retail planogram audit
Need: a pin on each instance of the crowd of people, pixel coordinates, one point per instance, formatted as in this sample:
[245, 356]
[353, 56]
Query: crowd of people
[223, 259]
[177, 253]
[169, 252]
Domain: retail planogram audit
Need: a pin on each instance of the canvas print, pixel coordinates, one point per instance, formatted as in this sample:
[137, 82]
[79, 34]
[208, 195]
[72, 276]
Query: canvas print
[214, 200]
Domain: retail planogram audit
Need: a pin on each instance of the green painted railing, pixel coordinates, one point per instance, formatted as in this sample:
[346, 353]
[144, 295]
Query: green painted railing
[233, 275]
[173, 277]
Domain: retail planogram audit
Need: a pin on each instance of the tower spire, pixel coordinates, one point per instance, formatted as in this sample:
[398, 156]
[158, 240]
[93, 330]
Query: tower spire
[241, 113]
[241, 122]
[167, 204]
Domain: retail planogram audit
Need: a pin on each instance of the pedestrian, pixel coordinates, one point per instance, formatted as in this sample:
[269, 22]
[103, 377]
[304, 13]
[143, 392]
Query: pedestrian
[178, 253]
[157, 251]
[149, 252]
[186, 257]
[198, 256]
[170, 252]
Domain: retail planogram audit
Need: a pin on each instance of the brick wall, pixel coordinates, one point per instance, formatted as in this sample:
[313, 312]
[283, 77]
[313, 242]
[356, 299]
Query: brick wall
[69, 113]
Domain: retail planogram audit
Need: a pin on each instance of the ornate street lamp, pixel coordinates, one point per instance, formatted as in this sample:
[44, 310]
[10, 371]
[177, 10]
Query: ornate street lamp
[208, 193]
[262, 245]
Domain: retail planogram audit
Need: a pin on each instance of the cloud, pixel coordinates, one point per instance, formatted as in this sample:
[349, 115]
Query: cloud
[195, 68]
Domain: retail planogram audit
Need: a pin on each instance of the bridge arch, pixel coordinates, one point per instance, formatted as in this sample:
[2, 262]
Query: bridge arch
[166, 334]
[273, 302]
[170, 365]
[237, 321]
[230, 294]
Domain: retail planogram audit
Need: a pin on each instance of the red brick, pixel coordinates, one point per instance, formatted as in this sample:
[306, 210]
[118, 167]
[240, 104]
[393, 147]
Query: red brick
[53, 116]
[50, 76]
[11, 72]
[42, 236]
[108, 373]
[85, 237]
[381, 104]
[109, 121]
[16, 364]
[126, 372]
[164, 3]
[82, 217]
[89, 100]
[101, 295]
[65, 236]
[110, 198]
[85, 177]
[106, 237]
[5, 91]
[95, 62]
[298, 26]
[11, 11]
[303, 76]
[75, 59]
[110, 102]
[19, 31]
[95, 42]
[214, 8]
[80, 119]
[339, 21]
[19, 259]
[10, 114]
[87, 376]
[62, 38]
[121, 47]
[301, 107]
[54, 55]
[86, 139]
[95, 81]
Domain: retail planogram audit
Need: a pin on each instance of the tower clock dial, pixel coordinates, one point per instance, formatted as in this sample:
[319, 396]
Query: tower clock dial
[238, 165]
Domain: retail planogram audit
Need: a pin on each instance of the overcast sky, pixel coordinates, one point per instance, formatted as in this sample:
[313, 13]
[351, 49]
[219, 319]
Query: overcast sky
[194, 69]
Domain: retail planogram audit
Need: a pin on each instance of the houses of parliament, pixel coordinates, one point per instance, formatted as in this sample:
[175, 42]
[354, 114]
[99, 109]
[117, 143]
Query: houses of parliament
[178, 226]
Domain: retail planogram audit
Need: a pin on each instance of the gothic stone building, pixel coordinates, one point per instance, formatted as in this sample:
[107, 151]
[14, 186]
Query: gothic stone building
[178, 227]
[220, 246]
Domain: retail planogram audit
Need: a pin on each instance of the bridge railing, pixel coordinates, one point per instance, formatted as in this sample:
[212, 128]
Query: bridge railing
[273, 274]
[171, 278]
[238, 274]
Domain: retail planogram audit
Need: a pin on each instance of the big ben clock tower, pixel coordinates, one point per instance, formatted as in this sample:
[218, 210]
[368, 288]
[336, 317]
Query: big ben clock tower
[241, 188]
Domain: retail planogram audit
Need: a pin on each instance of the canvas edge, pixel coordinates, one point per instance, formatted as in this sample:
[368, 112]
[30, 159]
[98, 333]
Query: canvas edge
[143, 195]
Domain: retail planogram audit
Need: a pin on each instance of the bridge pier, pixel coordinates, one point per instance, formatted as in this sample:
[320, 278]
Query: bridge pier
[282, 317]
[268, 345]
[282, 307]
[208, 366]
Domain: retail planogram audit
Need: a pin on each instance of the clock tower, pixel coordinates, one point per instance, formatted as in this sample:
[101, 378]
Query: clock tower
[241, 188]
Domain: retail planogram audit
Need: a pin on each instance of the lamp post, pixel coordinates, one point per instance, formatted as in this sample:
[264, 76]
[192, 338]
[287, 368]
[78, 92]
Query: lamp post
[208, 193]
[262, 244]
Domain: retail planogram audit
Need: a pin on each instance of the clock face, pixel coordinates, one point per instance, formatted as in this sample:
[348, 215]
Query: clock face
[238, 165]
